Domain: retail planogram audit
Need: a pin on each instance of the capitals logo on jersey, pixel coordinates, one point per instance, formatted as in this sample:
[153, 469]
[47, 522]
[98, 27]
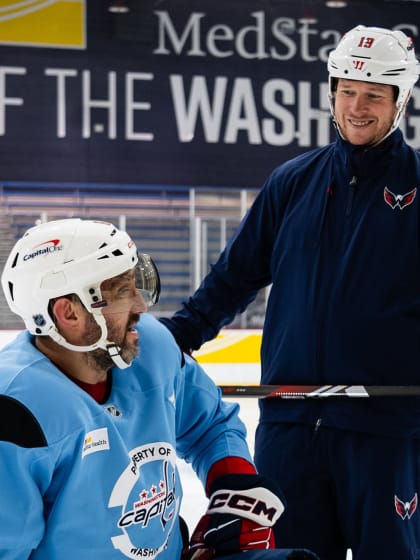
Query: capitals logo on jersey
[399, 200]
[148, 501]
[405, 509]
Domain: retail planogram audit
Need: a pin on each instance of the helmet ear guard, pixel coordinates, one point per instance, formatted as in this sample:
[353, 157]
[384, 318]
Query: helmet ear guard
[72, 256]
[375, 55]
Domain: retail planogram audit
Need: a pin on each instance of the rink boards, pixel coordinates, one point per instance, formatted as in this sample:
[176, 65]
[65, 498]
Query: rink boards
[232, 357]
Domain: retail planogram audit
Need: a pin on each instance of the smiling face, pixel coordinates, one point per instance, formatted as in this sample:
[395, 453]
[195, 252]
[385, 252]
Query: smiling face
[364, 111]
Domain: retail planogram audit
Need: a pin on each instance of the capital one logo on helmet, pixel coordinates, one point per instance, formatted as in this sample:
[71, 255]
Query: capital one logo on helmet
[50, 246]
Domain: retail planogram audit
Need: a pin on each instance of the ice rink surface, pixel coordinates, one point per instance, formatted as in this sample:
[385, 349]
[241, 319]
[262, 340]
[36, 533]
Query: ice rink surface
[194, 502]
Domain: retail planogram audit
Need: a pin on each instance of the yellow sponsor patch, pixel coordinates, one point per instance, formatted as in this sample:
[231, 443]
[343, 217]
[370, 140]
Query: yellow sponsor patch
[43, 23]
[96, 440]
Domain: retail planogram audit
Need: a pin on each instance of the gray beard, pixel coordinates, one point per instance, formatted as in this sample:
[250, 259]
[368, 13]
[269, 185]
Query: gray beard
[99, 359]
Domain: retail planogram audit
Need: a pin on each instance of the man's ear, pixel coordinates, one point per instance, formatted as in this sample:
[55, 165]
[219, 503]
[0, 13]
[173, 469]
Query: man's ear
[67, 313]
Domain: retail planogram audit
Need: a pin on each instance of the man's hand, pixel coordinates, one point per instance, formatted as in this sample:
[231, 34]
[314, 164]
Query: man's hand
[241, 512]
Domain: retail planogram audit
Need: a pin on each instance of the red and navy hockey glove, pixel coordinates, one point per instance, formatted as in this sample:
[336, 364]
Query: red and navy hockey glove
[241, 512]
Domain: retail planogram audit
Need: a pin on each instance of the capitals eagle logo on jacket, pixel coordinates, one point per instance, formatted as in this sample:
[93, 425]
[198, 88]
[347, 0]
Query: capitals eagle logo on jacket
[400, 200]
[405, 509]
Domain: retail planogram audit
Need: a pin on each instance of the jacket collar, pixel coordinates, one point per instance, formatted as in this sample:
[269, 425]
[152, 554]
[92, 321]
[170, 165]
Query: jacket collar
[364, 161]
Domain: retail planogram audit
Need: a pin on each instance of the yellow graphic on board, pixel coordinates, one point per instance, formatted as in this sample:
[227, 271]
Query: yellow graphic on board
[43, 23]
[230, 347]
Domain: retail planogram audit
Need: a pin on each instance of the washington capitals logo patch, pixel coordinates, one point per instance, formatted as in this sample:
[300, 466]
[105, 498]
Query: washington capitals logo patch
[399, 200]
[405, 509]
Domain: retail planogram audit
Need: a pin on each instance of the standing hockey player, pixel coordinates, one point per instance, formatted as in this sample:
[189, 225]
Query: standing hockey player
[336, 231]
[90, 427]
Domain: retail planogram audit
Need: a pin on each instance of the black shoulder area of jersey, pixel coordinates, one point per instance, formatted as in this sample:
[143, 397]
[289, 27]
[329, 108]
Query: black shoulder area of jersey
[18, 425]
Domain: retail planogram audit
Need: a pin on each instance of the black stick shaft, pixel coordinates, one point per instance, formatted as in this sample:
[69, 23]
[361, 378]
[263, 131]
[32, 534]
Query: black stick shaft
[319, 391]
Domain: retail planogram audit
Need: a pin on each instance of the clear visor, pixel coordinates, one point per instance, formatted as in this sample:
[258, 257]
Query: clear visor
[147, 279]
[121, 294]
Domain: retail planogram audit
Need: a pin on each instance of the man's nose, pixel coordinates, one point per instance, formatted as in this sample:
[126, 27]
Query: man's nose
[359, 103]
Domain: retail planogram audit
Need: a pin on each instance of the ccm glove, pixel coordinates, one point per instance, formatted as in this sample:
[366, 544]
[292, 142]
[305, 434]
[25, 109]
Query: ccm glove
[241, 512]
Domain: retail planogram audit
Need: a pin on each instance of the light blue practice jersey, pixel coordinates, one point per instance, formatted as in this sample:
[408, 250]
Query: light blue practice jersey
[88, 481]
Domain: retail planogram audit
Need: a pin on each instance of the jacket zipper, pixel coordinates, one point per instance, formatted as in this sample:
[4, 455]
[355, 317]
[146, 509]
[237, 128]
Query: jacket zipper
[351, 194]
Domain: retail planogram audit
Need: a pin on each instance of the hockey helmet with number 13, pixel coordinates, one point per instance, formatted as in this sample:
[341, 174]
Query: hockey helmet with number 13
[376, 55]
[73, 256]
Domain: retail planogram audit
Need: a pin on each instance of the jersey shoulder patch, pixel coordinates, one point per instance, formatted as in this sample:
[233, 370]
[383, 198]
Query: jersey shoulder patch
[18, 425]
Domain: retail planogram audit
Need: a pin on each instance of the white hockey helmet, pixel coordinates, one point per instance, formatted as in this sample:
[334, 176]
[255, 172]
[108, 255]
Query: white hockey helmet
[378, 55]
[72, 256]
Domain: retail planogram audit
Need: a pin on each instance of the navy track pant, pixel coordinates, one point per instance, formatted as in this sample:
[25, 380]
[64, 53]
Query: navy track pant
[344, 490]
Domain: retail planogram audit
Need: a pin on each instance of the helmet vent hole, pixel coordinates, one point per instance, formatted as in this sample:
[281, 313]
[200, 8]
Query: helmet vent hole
[394, 72]
[103, 245]
[11, 291]
[117, 253]
[15, 260]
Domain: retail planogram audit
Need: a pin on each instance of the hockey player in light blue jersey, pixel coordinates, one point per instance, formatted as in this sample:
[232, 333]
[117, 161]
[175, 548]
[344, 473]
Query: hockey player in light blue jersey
[96, 404]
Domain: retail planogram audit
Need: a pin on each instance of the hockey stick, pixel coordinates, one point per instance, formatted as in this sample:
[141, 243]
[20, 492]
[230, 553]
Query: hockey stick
[319, 391]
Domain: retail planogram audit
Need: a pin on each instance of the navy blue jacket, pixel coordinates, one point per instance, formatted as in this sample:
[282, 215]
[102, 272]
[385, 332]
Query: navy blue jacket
[337, 233]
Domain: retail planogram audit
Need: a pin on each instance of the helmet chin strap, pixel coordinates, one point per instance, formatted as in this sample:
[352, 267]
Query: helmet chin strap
[102, 343]
[390, 131]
